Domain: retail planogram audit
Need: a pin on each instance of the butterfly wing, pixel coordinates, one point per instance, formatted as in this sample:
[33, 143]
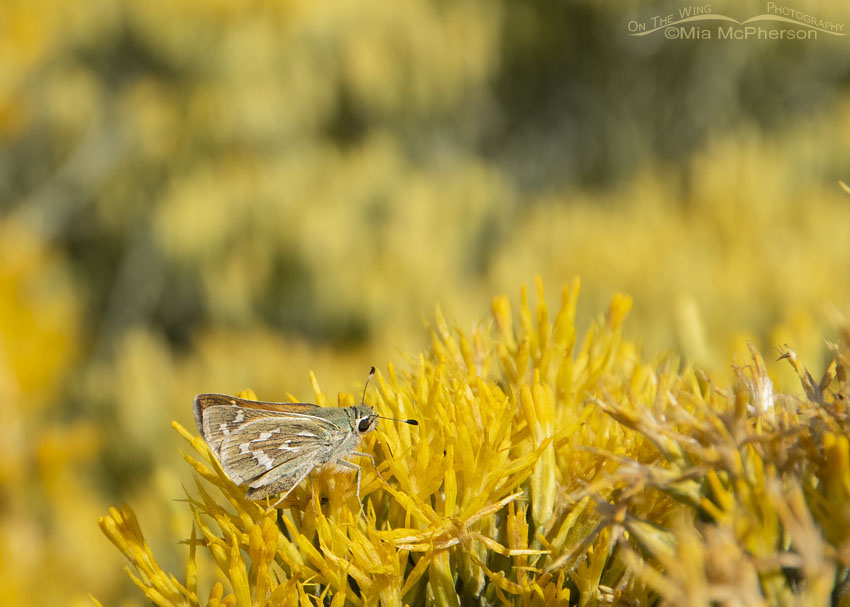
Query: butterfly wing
[270, 446]
[262, 445]
[218, 415]
[281, 486]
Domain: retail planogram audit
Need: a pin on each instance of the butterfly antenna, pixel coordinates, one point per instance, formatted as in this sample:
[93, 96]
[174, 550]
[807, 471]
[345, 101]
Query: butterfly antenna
[412, 422]
[366, 387]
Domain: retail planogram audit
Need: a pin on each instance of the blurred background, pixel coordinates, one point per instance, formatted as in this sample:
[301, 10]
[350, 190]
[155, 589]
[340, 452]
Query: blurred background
[209, 195]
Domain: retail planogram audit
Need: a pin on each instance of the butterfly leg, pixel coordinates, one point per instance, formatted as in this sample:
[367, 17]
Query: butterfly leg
[372, 459]
[353, 466]
[374, 465]
[280, 499]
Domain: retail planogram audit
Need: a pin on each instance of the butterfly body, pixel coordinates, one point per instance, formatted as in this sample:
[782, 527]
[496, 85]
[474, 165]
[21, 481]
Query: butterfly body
[272, 447]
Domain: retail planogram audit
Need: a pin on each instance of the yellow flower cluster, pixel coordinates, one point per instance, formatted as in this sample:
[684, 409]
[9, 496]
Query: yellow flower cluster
[544, 471]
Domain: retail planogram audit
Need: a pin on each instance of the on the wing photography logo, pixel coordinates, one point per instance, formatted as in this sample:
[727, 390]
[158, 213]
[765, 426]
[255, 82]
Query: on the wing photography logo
[699, 22]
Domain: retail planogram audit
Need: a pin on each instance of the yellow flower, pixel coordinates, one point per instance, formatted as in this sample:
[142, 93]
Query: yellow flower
[544, 471]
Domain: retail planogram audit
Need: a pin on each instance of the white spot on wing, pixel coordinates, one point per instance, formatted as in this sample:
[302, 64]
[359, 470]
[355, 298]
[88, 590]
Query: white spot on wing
[308, 435]
[263, 459]
[268, 435]
[240, 416]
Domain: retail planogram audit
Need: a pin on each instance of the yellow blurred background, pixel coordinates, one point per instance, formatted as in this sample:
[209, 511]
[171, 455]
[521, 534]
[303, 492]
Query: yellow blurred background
[210, 196]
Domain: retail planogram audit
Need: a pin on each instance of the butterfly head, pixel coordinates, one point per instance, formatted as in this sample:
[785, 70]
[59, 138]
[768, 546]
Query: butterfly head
[365, 419]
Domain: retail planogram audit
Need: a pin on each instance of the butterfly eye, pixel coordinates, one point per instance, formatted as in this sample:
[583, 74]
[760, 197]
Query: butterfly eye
[363, 425]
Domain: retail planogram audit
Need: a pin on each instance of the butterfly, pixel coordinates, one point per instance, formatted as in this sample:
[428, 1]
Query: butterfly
[272, 447]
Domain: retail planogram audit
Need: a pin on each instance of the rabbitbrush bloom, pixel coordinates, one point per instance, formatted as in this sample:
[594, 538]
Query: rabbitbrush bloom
[546, 470]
